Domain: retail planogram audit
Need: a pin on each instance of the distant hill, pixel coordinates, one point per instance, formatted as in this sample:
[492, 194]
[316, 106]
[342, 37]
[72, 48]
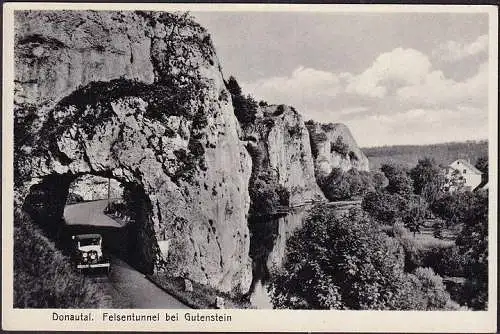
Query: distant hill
[409, 154]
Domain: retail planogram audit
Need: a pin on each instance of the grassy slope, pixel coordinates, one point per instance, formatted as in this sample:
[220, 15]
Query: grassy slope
[409, 154]
[44, 277]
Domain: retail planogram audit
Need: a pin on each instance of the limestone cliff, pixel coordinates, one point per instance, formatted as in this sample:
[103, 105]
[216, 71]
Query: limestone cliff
[333, 146]
[139, 97]
[91, 188]
[279, 142]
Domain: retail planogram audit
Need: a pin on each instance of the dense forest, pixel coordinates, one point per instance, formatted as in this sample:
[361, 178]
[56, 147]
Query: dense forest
[408, 155]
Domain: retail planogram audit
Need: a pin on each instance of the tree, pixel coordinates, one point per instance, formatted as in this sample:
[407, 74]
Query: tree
[340, 185]
[472, 243]
[482, 165]
[399, 181]
[379, 180]
[232, 86]
[245, 108]
[413, 213]
[340, 263]
[428, 179]
[335, 185]
[382, 206]
[455, 182]
[389, 208]
[469, 212]
[453, 207]
[347, 262]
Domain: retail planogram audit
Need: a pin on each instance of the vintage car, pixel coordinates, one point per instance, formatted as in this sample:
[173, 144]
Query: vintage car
[87, 252]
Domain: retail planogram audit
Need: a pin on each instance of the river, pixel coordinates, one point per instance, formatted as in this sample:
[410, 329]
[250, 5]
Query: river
[267, 248]
[267, 245]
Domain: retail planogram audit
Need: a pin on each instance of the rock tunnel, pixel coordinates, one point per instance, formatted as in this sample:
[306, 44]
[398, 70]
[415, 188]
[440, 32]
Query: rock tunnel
[134, 242]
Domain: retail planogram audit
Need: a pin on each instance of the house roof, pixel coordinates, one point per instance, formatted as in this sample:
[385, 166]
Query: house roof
[468, 165]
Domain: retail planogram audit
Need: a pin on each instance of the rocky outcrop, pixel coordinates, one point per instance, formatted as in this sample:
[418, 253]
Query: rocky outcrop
[138, 97]
[279, 143]
[333, 146]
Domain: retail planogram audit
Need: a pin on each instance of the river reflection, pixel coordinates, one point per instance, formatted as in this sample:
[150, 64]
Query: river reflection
[267, 249]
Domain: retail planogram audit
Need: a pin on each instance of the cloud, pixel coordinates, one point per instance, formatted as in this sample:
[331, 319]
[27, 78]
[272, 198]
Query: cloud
[353, 110]
[304, 85]
[399, 66]
[421, 125]
[398, 99]
[452, 51]
[436, 89]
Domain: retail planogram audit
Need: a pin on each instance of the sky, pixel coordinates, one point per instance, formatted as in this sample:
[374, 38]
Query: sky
[393, 78]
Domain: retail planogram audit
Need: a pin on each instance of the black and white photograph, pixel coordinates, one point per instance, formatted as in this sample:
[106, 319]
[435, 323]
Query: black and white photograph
[179, 164]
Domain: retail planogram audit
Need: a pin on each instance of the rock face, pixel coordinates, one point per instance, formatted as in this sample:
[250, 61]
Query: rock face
[333, 146]
[138, 97]
[281, 142]
[92, 188]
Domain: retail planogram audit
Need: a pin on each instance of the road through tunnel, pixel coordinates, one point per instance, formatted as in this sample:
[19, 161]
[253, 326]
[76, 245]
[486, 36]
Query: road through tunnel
[70, 204]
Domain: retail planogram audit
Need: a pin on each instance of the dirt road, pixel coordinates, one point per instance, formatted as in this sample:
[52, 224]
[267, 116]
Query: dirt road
[128, 288]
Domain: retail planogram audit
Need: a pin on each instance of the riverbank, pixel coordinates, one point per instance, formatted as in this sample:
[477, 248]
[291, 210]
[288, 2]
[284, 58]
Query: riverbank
[202, 296]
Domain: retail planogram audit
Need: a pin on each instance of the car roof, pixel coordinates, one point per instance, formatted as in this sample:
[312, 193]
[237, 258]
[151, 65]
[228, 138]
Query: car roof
[87, 236]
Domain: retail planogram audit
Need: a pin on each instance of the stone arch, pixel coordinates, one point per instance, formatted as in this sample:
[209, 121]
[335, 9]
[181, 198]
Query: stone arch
[47, 199]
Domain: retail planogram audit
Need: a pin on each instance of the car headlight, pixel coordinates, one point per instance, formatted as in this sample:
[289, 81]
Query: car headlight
[84, 254]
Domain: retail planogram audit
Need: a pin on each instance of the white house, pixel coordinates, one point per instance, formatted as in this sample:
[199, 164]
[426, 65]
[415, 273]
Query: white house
[462, 173]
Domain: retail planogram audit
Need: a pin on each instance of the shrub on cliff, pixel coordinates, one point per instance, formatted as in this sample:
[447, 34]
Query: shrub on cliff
[267, 195]
[339, 146]
[347, 262]
[44, 277]
[245, 107]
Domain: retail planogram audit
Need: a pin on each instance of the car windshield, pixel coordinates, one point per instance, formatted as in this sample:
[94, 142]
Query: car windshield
[89, 242]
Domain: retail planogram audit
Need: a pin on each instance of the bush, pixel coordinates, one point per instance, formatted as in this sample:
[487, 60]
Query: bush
[379, 180]
[433, 290]
[446, 261]
[44, 277]
[413, 252]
